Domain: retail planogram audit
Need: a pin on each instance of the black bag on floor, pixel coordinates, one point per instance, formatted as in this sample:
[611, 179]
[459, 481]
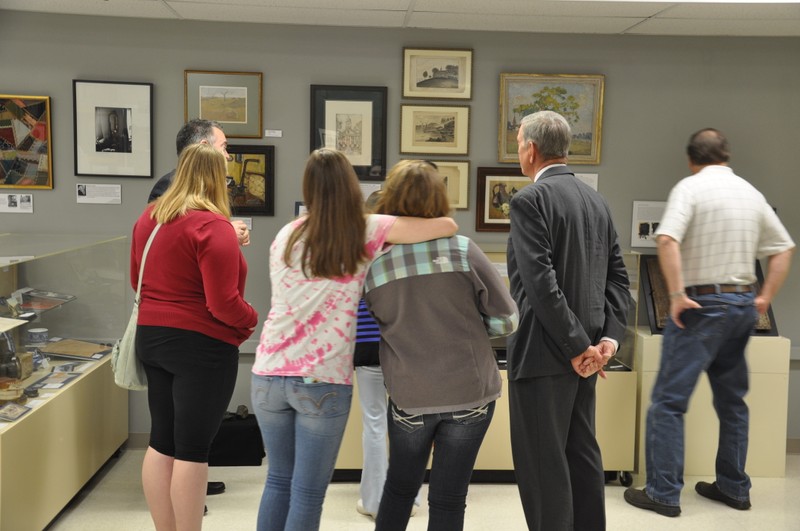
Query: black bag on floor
[238, 441]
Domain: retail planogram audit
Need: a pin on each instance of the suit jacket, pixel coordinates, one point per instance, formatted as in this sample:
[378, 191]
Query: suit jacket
[566, 273]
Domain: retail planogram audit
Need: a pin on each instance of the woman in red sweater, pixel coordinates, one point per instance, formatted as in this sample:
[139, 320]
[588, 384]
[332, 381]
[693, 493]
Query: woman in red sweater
[192, 319]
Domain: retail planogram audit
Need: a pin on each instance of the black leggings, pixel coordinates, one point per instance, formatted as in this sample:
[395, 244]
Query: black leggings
[190, 381]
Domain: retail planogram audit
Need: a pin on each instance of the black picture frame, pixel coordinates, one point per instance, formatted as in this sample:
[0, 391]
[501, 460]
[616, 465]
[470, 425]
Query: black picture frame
[352, 119]
[251, 180]
[113, 128]
[496, 186]
[656, 298]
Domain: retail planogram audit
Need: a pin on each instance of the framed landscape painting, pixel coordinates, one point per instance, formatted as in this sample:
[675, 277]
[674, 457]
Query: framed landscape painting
[578, 98]
[434, 129]
[437, 74]
[234, 99]
[26, 159]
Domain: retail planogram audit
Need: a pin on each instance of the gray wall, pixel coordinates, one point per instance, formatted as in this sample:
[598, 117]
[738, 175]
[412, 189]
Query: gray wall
[658, 91]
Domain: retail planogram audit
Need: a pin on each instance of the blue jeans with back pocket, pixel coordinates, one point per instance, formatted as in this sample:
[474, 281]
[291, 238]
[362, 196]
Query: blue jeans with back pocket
[713, 340]
[455, 438]
[302, 425]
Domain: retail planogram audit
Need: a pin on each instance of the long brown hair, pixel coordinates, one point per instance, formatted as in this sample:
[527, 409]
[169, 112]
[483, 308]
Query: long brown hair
[414, 188]
[199, 184]
[334, 230]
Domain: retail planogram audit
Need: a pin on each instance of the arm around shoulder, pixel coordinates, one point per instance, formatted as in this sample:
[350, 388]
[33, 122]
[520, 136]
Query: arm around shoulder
[414, 230]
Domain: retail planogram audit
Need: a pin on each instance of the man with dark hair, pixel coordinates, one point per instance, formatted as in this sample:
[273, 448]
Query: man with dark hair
[714, 227]
[569, 282]
[198, 131]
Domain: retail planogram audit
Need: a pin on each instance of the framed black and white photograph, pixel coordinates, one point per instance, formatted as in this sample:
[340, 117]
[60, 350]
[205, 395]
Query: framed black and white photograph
[434, 129]
[113, 126]
[456, 178]
[234, 99]
[251, 179]
[351, 119]
[437, 73]
[26, 148]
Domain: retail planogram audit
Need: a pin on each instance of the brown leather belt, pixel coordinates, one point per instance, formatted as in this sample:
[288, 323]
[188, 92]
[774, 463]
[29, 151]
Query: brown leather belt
[711, 289]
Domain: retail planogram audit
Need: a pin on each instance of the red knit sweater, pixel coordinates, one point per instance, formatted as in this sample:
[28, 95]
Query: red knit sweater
[194, 276]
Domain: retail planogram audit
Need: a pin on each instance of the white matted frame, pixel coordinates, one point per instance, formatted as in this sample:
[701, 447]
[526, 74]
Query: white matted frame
[234, 99]
[577, 97]
[113, 126]
[456, 178]
[644, 222]
[437, 73]
[434, 129]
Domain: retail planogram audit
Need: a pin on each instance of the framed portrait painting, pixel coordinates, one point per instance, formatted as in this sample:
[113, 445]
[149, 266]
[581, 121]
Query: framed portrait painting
[437, 74]
[26, 151]
[251, 180]
[113, 125]
[434, 129]
[351, 119]
[234, 99]
[496, 187]
[578, 98]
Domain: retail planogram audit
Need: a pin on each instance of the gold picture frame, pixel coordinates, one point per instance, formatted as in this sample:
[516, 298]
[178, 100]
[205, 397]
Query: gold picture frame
[577, 97]
[26, 154]
[234, 99]
[437, 73]
[434, 129]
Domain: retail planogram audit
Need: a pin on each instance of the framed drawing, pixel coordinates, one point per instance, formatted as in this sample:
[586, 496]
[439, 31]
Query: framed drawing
[251, 180]
[496, 187]
[113, 124]
[352, 119]
[434, 129]
[26, 151]
[437, 74]
[231, 98]
[579, 98]
[456, 178]
[644, 222]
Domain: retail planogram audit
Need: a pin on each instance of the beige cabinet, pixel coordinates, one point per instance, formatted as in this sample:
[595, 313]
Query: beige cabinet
[616, 421]
[768, 361]
[48, 454]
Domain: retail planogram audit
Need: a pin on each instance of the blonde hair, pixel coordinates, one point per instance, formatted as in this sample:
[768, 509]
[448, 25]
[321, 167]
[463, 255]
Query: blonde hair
[199, 184]
[414, 188]
[335, 228]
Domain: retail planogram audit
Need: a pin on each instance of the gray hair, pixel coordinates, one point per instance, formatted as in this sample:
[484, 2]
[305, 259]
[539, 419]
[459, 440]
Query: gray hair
[195, 131]
[549, 131]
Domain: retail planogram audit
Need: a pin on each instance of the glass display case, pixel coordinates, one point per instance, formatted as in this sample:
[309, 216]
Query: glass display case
[63, 300]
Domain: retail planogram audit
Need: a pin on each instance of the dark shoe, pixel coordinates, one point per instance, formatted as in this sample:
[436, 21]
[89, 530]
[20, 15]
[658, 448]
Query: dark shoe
[215, 487]
[640, 499]
[712, 492]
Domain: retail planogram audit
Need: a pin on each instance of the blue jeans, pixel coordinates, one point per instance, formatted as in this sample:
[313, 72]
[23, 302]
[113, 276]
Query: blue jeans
[713, 341]
[456, 438]
[302, 426]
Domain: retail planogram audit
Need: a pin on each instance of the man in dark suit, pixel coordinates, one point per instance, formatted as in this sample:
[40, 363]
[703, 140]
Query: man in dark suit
[569, 282]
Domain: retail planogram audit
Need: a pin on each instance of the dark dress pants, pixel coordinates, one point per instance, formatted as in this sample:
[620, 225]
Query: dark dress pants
[557, 460]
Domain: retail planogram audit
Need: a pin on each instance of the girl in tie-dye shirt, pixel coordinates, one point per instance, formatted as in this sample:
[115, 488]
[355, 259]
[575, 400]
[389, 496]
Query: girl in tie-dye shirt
[301, 387]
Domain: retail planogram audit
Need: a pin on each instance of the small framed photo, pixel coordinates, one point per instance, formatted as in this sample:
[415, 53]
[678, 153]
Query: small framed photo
[437, 74]
[233, 99]
[251, 180]
[496, 187]
[644, 222]
[11, 411]
[113, 128]
[434, 129]
[456, 178]
[26, 150]
[351, 119]
[578, 98]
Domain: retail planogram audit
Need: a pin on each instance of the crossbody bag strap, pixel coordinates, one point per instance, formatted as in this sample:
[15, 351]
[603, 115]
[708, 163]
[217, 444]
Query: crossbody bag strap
[144, 258]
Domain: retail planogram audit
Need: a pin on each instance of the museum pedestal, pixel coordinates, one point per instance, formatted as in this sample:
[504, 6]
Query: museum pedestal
[768, 361]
